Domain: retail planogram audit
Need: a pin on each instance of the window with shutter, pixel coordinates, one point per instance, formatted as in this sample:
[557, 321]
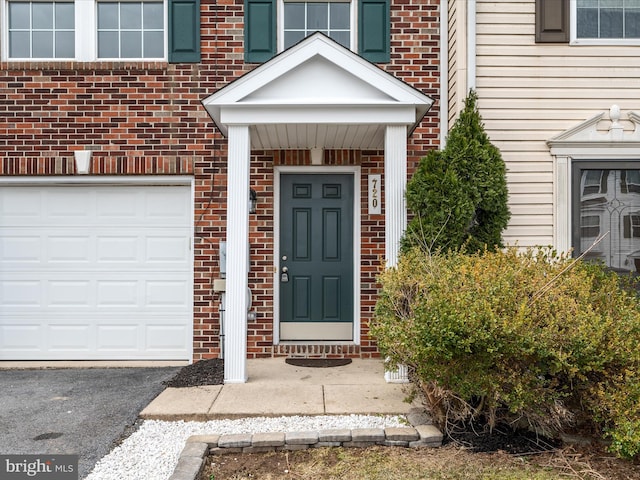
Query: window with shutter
[110, 30]
[370, 37]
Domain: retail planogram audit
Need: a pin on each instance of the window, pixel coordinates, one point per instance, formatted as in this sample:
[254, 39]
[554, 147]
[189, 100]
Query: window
[110, 29]
[607, 201]
[130, 30]
[632, 225]
[360, 25]
[608, 19]
[41, 30]
[590, 226]
[594, 182]
[304, 18]
[588, 22]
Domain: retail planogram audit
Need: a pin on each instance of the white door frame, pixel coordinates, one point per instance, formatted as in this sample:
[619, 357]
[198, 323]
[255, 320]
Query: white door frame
[357, 210]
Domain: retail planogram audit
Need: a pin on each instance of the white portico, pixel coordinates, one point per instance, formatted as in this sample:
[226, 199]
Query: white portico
[316, 95]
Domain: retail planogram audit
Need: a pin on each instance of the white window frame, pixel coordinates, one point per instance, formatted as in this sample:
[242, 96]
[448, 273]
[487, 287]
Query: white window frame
[86, 35]
[4, 15]
[353, 37]
[574, 40]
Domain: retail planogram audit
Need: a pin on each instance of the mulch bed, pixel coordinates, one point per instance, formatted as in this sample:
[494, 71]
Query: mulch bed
[503, 438]
[204, 372]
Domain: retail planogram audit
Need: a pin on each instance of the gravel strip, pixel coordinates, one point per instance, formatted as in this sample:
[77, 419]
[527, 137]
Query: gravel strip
[153, 450]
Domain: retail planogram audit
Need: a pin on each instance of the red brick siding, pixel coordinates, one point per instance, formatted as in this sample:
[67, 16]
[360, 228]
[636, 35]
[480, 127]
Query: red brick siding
[146, 118]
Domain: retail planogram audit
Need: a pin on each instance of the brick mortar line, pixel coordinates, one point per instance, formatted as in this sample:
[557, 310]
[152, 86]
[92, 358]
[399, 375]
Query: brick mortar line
[198, 447]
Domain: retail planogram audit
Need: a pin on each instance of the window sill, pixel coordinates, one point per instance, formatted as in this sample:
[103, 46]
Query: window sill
[76, 65]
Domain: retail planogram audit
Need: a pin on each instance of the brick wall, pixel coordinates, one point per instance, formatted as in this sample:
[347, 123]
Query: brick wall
[147, 119]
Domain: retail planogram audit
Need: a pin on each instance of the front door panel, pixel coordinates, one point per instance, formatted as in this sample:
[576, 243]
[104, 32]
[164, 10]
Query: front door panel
[316, 257]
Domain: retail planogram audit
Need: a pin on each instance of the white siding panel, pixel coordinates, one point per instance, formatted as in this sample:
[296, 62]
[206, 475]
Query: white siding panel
[529, 93]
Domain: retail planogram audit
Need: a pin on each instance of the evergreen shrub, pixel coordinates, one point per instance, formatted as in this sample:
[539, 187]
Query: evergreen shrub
[530, 338]
[458, 196]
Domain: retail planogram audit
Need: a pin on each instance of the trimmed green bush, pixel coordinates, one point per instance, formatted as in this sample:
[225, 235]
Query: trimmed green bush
[458, 196]
[520, 337]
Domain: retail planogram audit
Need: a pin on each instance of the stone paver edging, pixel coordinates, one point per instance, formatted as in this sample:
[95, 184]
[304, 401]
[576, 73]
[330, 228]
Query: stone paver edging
[198, 447]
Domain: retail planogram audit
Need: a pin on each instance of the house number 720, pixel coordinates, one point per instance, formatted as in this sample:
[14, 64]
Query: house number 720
[374, 195]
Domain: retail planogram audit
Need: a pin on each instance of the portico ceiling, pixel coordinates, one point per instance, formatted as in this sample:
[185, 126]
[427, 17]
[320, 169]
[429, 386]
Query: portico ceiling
[317, 94]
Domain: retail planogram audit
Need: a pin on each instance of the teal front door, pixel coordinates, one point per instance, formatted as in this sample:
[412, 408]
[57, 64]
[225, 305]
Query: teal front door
[316, 257]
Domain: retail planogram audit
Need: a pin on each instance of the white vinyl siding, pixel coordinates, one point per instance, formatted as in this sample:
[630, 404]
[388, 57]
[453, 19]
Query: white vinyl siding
[529, 92]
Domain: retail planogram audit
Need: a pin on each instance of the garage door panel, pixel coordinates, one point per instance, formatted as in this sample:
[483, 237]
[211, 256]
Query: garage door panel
[161, 205]
[69, 249]
[110, 279]
[118, 293]
[69, 205]
[20, 294]
[117, 249]
[165, 337]
[165, 293]
[167, 249]
[21, 207]
[20, 249]
[121, 338]
[64, 338]
[69, 293]
[20, 337]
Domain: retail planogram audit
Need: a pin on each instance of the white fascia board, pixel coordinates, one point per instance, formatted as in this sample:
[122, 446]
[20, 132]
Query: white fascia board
[114, 180]
[596, 150]
[318, 44]
[317, 114]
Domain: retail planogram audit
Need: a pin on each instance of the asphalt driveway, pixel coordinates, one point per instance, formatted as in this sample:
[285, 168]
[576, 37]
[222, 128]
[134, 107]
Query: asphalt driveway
[74, 411]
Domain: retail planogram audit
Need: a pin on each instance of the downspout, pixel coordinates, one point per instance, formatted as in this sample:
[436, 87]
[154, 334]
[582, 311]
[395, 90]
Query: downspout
[444, 72]
[471, 45]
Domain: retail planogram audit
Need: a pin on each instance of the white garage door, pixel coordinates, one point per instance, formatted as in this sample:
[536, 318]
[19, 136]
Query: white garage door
[97, 272]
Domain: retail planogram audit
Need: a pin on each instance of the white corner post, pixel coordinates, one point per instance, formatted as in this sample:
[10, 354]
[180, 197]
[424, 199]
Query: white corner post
[562, 212]
[235, 340]
[395, 184]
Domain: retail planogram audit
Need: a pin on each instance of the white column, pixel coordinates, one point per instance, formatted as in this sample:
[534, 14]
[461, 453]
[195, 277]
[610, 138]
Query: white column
[235, 340]
[562, 219]
[395, 184]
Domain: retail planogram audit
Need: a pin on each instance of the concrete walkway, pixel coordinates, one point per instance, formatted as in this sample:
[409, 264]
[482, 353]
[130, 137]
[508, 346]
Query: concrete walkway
[276, 388]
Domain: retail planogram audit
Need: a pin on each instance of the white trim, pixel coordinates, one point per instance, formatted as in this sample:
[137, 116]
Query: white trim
[357, 219]
[471, 45]
[98, 180]
[353, 37]
[575, 41]
[585, 142]
[237, 281]
[444, 71]
[86, 35]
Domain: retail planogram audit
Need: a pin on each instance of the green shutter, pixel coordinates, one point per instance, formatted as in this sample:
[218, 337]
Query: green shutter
[259, 30]
[374, 30]
[184, 31]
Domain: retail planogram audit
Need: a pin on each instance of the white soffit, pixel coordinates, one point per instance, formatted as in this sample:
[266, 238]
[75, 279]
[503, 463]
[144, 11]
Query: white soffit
[317, 94]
